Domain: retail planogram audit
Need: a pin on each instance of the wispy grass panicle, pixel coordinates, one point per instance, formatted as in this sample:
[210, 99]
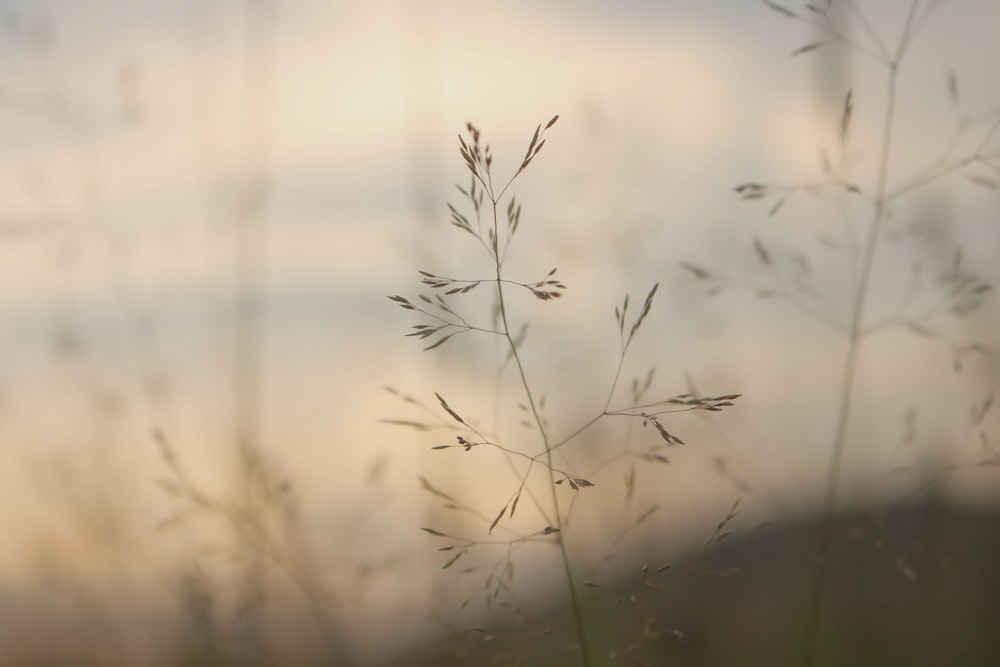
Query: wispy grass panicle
[492, 218]
[791, 274]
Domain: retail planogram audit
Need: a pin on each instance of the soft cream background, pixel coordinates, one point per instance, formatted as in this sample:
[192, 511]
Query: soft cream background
[129, 129]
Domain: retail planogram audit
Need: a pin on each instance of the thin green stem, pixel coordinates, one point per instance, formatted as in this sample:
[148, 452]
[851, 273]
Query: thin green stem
[575, 604]
[849, 373]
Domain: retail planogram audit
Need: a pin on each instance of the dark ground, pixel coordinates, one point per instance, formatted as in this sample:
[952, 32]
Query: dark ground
[918, 586]
[909, 587]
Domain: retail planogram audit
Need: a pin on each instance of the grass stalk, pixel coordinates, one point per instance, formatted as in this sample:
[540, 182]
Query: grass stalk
[575, 605]
[443, 322]
[856, 338]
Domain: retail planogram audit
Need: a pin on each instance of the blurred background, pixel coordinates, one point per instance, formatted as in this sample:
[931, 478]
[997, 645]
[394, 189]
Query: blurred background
[205, 206]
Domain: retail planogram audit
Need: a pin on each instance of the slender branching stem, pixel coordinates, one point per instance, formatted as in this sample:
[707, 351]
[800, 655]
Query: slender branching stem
[855, 339]
[485, 200]
[575, 604]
